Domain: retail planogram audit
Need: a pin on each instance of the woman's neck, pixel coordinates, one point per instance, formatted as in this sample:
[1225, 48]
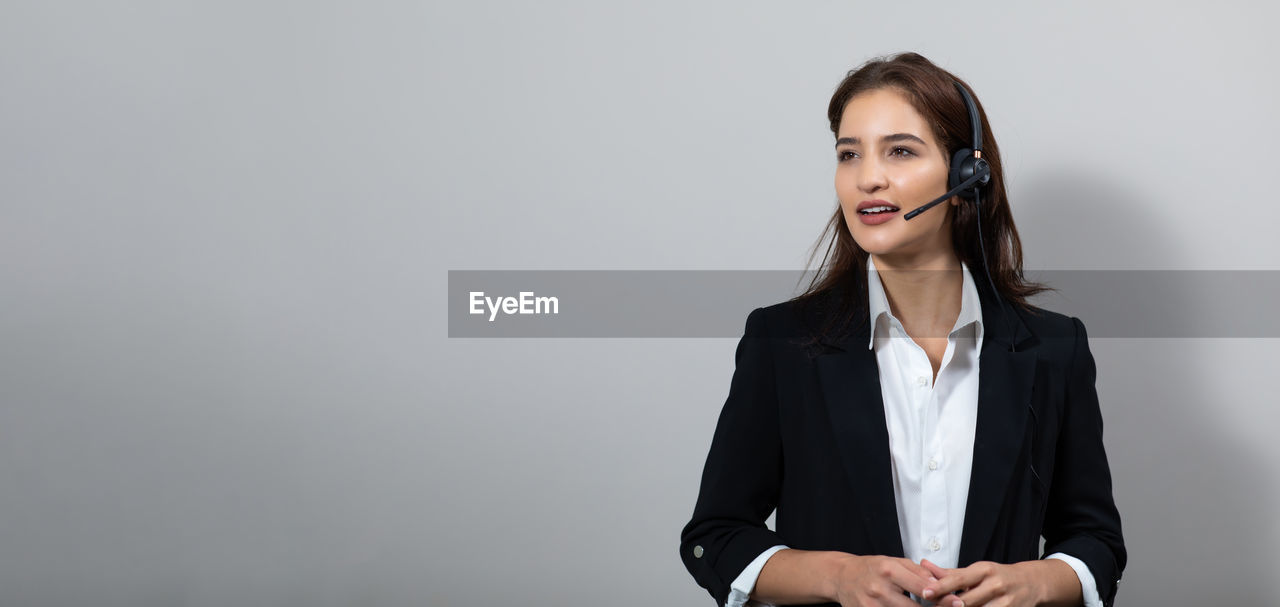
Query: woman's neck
[924, 294]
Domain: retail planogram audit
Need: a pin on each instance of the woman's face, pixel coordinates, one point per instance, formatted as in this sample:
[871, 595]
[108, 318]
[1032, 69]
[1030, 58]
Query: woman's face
[886, 151]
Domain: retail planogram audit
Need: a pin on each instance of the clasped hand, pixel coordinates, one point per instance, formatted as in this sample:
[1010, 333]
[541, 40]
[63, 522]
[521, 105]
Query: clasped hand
[985, 583]
[880, 581]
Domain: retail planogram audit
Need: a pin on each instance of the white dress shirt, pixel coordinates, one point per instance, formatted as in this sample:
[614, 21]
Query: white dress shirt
[931, 426]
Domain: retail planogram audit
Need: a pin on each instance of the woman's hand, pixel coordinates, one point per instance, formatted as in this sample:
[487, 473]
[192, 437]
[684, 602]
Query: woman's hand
[876, 581]
[1025, 584]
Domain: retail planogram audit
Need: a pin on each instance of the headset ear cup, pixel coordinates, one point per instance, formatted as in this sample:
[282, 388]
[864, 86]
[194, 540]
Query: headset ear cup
[962, 167]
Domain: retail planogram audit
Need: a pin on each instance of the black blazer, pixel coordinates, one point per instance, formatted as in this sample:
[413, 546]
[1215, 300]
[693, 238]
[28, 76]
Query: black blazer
[804, 432]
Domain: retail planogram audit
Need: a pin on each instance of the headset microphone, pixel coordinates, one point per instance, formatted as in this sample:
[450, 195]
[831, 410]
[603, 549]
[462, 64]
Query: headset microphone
[969, 171]
[952, 192]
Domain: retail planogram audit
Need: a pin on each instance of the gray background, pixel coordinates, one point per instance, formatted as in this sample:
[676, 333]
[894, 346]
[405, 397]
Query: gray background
[225, 230]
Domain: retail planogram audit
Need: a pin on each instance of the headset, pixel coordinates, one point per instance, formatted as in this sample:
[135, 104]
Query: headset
[969, 170]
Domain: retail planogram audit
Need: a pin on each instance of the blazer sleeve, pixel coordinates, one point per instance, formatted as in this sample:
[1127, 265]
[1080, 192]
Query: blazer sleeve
[1081, 517]
[742, 475]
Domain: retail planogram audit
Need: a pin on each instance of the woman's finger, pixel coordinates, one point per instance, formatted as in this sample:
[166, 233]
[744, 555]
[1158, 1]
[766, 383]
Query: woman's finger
[919, 569]
[952, 583]
[980, 594]
[915, 575]
[926, 576]
[933, 568]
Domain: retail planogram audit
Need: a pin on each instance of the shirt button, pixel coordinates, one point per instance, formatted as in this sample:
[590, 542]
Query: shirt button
[922, 380]
[935, 546]
[697, 552]
[933, 464]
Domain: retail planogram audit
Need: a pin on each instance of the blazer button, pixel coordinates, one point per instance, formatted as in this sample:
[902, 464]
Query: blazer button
[697, 552]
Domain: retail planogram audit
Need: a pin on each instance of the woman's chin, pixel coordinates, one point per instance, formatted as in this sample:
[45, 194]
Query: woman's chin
[877, 245]
[889, 242]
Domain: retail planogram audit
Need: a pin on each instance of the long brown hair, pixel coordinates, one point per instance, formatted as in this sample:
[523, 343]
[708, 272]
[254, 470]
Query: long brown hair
[840, 283]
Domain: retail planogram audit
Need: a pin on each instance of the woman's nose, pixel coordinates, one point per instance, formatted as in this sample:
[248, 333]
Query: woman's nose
[871, 175]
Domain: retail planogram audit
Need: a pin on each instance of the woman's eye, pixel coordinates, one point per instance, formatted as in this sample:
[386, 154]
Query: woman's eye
[849, 154]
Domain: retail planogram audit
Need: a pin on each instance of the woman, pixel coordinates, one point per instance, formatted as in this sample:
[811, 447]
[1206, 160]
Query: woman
[916, 434]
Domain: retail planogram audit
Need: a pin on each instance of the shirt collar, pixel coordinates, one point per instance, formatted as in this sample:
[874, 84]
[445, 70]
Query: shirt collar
[878, 305]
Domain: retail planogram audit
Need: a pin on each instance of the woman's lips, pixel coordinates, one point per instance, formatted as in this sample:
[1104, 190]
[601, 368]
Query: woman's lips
[876, 218]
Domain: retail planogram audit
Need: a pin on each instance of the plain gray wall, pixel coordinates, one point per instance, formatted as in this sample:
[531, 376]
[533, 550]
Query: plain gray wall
[225, 228]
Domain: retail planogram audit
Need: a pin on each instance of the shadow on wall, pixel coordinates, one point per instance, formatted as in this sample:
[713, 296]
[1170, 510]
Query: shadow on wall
[1195, 522]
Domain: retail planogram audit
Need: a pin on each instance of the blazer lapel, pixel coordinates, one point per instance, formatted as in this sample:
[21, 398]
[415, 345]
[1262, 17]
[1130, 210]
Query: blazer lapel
[1004, 392]
[850, 381]
[851, 389]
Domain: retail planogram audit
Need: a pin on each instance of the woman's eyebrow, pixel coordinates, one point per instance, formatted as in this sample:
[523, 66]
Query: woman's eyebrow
[885, 139]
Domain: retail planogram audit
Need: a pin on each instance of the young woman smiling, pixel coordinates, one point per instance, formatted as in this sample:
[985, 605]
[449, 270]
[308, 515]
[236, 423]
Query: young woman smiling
[918, 426]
